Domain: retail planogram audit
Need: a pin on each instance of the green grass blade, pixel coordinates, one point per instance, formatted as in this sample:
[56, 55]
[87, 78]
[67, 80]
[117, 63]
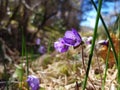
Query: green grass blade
[114, 52]
[27, 63]
[106, 68]
[23, 44]
[117, 59]
[93, 43]
[119, 53]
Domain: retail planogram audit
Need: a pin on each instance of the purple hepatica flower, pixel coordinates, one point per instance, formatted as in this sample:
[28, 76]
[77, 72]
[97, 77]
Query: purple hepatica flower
[72, 38]
[103, 42]
[60, 45]
[33, 82]
[37, 41]
[89, 40]
[42, 50]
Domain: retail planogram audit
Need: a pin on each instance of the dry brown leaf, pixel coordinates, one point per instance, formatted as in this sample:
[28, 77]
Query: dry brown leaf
[104, 49]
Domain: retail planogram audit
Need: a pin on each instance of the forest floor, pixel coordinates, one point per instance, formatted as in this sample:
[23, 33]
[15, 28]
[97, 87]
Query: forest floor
[66, 71]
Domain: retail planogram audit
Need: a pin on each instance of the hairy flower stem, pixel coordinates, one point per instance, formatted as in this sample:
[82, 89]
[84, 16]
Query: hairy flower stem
[93, 44]
[98, 63]
[83, 62]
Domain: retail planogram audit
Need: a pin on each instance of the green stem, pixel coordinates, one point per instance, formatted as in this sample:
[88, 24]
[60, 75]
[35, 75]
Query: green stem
[93, 43]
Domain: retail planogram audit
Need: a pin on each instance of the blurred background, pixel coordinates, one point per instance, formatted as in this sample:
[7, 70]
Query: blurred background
[29, 28]
[44, 21]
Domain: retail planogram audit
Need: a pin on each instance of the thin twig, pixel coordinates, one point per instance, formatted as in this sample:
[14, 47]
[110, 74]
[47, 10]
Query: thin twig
[14, 14]
[29, 7]
[4, 82]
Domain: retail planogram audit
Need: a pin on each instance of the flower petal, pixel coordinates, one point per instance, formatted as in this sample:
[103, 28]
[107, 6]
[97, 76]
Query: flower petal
[33, 82]
[60, 45]
[78, 38]
[69, 41]
[70, 34]
[42, 50]
[103, 42]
